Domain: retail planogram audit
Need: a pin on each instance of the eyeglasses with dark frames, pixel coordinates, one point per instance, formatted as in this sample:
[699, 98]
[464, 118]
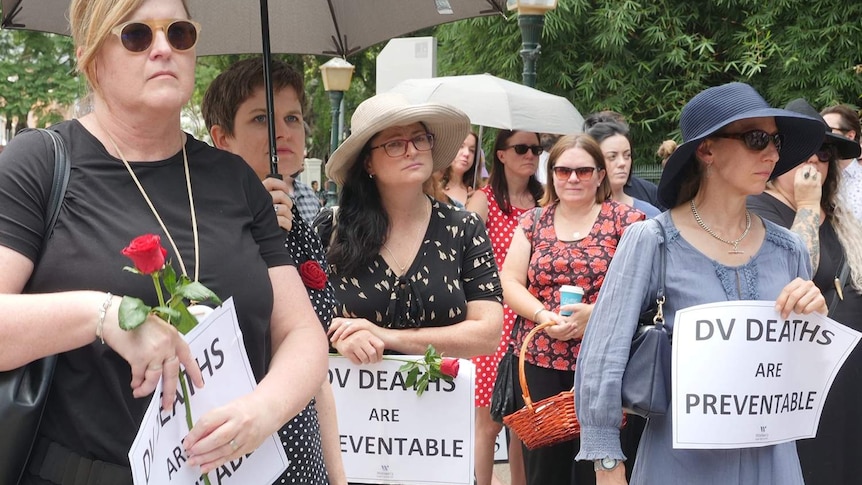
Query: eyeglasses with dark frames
[843, 131]
[397, 148]
[521, 149]
[826, 153]
[565, 173]
[138, 35]
[756, 140]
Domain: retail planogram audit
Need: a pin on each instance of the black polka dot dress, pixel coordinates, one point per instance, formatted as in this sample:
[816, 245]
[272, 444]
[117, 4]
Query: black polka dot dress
[301, 436]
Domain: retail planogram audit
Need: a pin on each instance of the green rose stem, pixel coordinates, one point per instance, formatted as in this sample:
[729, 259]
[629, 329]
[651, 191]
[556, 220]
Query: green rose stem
[185, 387]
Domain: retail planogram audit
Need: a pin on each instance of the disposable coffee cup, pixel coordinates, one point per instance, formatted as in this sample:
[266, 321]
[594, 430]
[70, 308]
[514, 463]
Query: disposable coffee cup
[569, 295]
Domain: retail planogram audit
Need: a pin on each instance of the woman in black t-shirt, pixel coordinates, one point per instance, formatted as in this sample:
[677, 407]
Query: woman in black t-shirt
[130, 151]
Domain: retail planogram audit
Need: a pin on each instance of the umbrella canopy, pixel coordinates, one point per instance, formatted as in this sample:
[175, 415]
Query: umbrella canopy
[324, 27]
[497, 103]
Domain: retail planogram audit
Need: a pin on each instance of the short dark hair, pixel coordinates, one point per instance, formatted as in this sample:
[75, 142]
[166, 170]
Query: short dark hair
[238, 83]
[603, 117]
[849, 118]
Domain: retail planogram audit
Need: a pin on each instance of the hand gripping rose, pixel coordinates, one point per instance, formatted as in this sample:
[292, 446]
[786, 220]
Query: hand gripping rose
[148, 256]
[431, 366]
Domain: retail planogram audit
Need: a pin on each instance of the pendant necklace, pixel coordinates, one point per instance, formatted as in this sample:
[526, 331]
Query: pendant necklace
[734, 243]
[156, 213]
[401, 268]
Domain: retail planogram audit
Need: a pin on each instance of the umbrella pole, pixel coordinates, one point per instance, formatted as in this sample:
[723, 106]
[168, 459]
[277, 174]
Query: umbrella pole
[477, 172]
[267, 87]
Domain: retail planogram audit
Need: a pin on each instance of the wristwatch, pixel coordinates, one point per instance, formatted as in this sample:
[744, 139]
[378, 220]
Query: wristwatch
[606, 464]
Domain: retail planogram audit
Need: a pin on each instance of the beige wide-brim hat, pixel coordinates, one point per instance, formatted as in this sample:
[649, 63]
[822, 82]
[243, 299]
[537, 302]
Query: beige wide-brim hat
[448, 124]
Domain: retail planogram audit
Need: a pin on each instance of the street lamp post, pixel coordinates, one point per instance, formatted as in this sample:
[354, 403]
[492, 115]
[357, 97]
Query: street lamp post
[337, 74]
[531, 20]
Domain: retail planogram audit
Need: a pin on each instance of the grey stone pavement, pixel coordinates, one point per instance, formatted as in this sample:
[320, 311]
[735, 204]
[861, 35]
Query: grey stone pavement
[502, 472]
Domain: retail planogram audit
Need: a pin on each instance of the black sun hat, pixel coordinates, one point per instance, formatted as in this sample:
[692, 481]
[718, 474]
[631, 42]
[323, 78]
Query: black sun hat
[716, 107]
[846, 147]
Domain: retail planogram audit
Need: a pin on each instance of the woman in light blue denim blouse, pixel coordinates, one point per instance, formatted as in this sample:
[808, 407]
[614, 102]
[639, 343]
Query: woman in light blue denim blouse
[716, 251]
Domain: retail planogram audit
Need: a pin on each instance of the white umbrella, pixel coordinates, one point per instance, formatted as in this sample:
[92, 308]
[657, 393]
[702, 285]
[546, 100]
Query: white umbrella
[497, 103]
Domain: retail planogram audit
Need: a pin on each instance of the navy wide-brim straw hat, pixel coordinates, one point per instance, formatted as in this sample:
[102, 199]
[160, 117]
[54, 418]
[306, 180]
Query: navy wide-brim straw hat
[716, 107]
[846, 147]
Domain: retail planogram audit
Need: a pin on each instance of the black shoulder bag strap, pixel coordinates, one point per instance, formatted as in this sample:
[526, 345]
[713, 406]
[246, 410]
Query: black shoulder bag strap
[62, 169]
[662, 269]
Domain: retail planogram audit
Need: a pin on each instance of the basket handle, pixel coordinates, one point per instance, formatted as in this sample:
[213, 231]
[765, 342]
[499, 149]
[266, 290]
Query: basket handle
[525, 391]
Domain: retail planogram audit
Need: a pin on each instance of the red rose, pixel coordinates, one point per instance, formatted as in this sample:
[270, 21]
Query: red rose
[449, 367]
[147, 253]
[312, 275]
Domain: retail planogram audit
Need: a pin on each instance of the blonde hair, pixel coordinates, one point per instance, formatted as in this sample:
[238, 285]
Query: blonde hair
[666, 149]
[91, 22]
[847, 228]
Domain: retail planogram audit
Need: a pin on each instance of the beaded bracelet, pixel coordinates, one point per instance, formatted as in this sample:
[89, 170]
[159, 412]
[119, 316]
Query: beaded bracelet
[103, 312]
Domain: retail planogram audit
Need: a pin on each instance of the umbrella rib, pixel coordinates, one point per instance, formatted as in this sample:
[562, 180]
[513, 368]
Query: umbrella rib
[495, 7]
[341, 47]
[8, 22]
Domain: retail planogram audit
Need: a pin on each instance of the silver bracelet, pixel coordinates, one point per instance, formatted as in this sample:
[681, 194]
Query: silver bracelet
[103, 312]
[537, 312]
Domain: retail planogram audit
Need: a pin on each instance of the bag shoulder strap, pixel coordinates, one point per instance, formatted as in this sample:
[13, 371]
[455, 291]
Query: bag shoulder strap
[658, 319]
[662, 262]
[59, 183]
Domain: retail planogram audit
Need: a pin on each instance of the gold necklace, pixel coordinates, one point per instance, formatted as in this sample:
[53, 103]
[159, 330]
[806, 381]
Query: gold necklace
[401, 268]
[734, 243]
[156, 213]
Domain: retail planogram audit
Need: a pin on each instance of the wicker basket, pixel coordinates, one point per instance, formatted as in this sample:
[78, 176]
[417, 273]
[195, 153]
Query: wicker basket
[549, 421]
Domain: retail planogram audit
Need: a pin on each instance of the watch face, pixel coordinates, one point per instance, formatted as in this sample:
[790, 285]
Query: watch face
[609, 463]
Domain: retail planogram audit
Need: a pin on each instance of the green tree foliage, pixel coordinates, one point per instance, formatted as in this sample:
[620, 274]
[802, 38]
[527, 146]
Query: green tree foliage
[646, 59]
[37, 73]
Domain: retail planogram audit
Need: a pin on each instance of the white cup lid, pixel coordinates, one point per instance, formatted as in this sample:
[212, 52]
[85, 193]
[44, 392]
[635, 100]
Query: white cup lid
[571, 289]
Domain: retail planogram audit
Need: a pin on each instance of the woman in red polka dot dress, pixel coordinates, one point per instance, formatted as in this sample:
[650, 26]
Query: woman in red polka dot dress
[511, 191]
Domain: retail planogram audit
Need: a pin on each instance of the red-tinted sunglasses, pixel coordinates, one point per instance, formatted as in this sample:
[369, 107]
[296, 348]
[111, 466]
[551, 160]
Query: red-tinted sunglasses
[138, 35]
[565, 173]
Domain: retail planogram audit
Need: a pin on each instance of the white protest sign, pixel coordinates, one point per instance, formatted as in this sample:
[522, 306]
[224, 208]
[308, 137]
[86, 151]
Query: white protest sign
[391, 435]
[744, 377]
[157, 456]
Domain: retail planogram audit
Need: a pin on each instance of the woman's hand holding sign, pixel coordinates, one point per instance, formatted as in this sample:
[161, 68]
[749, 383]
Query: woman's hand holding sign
[800, 296]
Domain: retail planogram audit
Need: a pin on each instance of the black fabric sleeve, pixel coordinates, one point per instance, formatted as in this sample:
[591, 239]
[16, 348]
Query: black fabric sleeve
[26, 171]
[479, 271]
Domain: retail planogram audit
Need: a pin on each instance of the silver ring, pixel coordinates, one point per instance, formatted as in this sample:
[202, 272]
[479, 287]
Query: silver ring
[347, 323]
[275, 207]
[154, 368]
[233, 445]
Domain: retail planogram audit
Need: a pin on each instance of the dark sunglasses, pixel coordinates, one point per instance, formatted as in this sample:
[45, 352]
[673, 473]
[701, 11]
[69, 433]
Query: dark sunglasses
[138, 35]
[583, 173]
[756, 140]
[826, 153]
[521, 149]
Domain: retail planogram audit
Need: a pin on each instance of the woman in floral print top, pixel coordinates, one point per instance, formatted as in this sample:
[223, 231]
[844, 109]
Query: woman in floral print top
[571, 243]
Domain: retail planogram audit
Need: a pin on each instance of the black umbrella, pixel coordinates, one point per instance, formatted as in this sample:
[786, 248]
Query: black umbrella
[322, 27]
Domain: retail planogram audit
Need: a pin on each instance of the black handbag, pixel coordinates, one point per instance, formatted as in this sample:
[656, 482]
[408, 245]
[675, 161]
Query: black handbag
[646, 385]
[503, 395]
[24, 391]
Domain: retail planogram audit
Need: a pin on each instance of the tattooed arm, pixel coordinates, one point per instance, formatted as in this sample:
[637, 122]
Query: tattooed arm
[807, 184]
[807, 225]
